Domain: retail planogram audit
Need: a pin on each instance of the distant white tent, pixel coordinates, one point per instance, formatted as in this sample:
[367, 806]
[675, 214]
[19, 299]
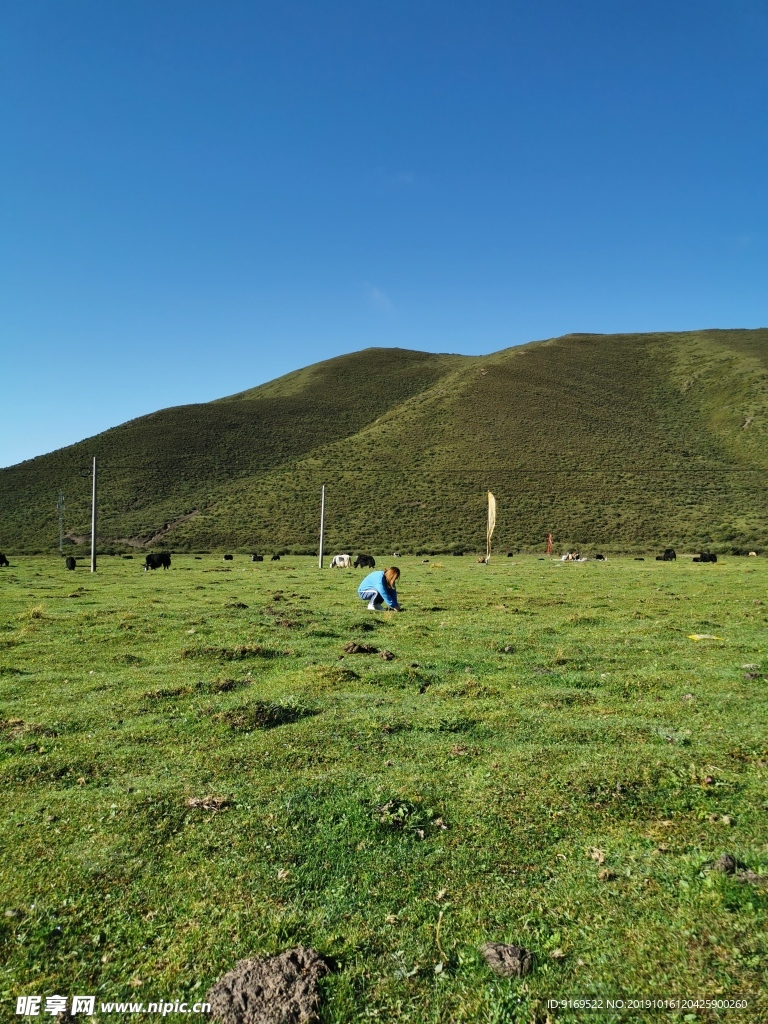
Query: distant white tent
[491, 525]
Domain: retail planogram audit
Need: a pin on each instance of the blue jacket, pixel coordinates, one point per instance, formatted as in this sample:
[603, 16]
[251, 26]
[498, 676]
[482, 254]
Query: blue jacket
[376, 581]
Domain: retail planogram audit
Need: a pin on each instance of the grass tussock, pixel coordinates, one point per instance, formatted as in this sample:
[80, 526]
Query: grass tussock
[262, 715]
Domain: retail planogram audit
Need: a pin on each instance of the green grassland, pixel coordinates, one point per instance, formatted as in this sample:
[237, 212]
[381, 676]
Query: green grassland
[608, 441]
[548, 760]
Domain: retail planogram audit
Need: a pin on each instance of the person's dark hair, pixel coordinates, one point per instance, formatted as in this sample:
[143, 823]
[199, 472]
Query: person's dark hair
[392, 575]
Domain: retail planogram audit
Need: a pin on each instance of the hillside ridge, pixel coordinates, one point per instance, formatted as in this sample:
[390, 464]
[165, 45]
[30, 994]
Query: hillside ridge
[621, 441]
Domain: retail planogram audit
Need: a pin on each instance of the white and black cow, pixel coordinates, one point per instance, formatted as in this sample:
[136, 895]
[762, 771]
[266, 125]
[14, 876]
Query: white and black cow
[341, 561]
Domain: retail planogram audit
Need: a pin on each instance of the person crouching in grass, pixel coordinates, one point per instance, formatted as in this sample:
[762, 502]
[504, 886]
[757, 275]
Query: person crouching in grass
[378, 588]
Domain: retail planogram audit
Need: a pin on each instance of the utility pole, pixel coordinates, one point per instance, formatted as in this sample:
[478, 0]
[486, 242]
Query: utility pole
[93, 520]
[60, 506]
[322, 525]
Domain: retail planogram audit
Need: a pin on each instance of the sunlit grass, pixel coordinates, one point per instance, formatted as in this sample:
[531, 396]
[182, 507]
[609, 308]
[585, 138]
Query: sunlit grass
[549, 760]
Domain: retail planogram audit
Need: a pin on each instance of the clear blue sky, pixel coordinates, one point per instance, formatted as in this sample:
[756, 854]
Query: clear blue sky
[200, 196]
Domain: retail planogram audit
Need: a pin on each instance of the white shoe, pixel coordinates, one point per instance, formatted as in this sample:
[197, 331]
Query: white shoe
[372, 607]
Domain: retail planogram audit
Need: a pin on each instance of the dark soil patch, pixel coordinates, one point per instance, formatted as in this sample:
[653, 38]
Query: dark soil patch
[233, 653]
[353, 648]
[280, 989]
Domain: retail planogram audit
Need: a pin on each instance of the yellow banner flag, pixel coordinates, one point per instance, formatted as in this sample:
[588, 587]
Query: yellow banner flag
[491, 524]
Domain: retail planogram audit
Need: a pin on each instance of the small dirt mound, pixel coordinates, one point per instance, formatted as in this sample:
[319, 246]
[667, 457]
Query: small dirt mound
[208, 803]
[507, 960]
[262, 715]
[353, 648]
[726, 864]
[729, 865]
[278, 990]
[387, 655]
[233, 653]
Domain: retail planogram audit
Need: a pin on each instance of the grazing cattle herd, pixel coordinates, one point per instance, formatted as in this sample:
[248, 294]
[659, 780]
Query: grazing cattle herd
[158, 559]
[360, 562]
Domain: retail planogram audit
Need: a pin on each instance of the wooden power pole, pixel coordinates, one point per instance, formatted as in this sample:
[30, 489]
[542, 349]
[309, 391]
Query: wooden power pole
[322, 524]
[60, 507]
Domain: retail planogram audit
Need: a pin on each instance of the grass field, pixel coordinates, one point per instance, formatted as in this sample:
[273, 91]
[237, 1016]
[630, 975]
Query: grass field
[548, 760]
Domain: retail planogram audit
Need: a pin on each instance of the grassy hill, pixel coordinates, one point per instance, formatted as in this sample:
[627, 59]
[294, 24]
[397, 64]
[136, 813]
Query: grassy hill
[613, 441]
